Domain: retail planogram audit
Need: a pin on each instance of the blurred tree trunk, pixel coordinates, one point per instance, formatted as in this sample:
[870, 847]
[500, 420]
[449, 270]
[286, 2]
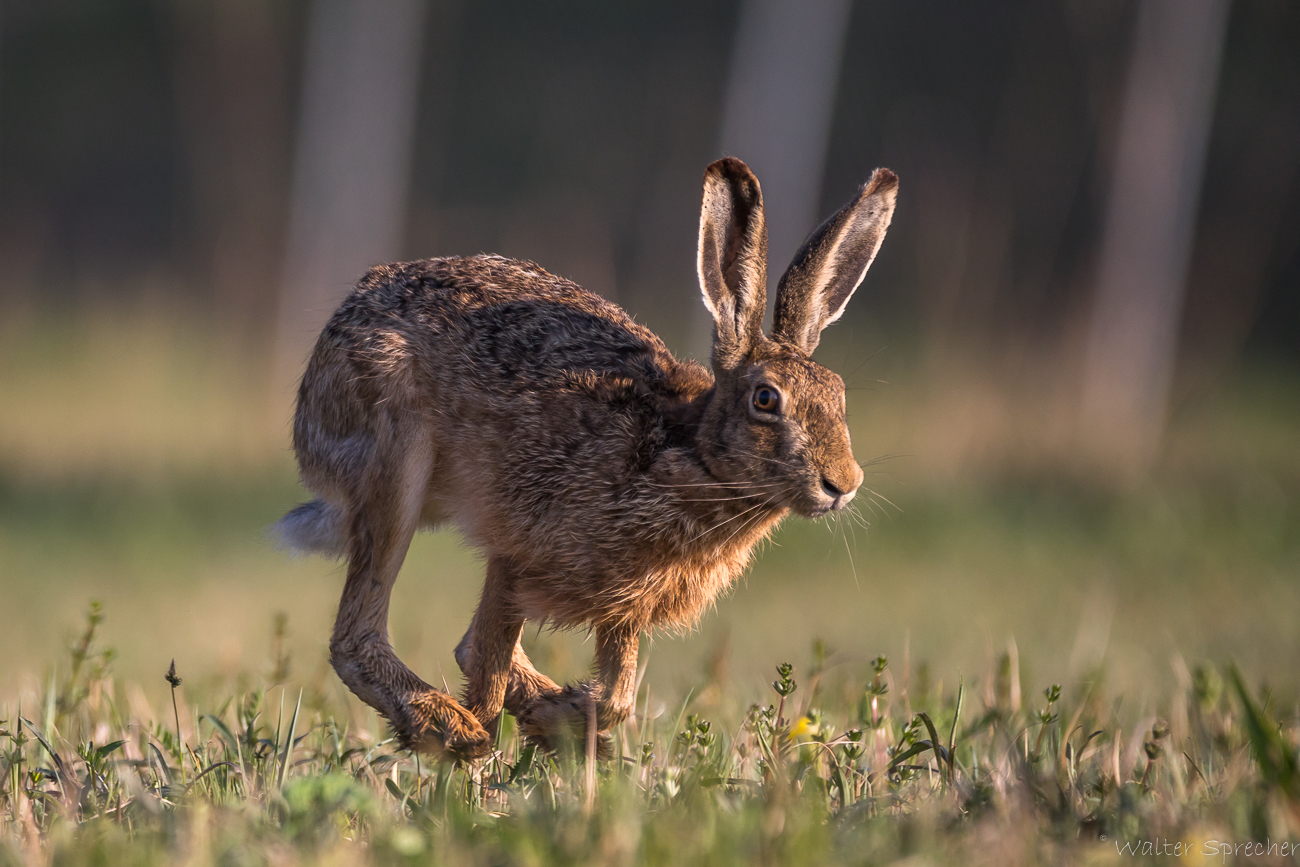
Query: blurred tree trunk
[780, 97]
[352, 162]
[1132, 337]
[233, 93]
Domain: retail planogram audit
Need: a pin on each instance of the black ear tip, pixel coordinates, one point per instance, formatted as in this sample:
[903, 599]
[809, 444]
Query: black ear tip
[882, 181]
[728, 167]
[734, 173]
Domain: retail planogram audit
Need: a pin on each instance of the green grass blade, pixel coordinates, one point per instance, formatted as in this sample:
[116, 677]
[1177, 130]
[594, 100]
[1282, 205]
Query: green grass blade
[1277, 759]
[935, 744]
[103, 751]
[288, 743]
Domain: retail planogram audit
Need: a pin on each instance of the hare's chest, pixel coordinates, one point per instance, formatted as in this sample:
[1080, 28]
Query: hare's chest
[682, 592]
[690, 588]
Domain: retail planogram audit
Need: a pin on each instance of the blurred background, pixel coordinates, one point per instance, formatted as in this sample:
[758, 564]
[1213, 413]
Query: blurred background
[1075, 364]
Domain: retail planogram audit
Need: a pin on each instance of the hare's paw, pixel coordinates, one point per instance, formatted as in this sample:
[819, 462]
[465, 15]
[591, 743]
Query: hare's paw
[557, 721]
[436, 723]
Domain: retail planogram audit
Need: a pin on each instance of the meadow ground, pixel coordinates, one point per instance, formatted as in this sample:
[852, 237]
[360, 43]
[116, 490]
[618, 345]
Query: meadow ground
[140, 464]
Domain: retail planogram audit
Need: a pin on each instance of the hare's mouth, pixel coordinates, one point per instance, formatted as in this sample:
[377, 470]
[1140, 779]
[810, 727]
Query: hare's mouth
[818, 508]
[827, 499]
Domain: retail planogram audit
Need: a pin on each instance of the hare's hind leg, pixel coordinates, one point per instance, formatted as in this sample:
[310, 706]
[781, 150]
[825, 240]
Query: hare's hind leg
[382, 520]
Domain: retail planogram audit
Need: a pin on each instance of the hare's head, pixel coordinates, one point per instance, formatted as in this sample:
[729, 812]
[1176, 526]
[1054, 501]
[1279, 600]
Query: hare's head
[776, 426]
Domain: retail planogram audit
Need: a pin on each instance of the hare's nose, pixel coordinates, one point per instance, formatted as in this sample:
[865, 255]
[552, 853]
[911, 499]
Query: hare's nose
[841, 489]
[840, 492]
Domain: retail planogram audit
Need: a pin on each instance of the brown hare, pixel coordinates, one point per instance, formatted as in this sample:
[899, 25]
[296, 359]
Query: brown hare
[608, 484]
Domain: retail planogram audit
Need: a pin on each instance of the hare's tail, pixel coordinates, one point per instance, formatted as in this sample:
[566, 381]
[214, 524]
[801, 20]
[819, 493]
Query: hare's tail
[315, 527]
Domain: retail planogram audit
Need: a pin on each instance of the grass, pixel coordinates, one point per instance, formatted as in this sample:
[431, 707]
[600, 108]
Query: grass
[831, 768]
[140, 463]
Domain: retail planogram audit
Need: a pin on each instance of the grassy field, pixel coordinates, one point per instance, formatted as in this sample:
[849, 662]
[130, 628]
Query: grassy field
[141, 461]
[824, 769]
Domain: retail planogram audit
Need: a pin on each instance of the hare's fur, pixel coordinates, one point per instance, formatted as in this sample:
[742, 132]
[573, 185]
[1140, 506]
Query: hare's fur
[608, 483]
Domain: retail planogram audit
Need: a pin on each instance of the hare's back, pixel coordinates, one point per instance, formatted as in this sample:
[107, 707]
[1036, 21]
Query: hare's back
[475, 351]
[505, 325]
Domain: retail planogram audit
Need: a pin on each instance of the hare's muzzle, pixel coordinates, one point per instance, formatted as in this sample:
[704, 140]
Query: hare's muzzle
[837, 491]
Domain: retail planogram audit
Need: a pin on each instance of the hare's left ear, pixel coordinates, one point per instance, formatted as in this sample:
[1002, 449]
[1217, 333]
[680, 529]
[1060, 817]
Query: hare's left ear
[732, 260]
[831, 264]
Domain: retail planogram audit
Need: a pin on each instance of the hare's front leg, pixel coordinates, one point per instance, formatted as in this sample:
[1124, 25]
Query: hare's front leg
[608, 698]
[497, 672]
[616, 652]
[525, 685]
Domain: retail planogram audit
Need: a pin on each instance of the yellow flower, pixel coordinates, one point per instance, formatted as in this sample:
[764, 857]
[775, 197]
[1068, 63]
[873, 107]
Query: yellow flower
[804, 726]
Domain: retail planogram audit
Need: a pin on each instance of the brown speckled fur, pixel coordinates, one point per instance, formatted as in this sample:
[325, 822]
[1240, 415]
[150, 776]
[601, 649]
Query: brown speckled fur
[608, 484]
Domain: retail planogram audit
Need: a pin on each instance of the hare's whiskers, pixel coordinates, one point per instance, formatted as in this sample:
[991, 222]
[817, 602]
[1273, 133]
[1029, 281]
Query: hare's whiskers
[778, 461]
[871, 504]
[716, 499]
[852, 565]
[714, 485]
[865, 362]
[749, 521]
[876, 495]
[880, 460]
[727, 521]
[856, 515]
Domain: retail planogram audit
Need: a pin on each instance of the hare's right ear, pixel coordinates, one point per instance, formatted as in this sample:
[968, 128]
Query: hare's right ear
[733, 260]
[831, 264]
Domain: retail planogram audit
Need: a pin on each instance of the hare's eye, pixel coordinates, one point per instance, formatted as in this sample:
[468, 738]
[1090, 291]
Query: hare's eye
[766, 399]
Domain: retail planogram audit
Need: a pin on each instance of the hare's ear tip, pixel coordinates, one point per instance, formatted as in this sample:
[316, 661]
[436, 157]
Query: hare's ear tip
[882, 181]
[728, 167]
